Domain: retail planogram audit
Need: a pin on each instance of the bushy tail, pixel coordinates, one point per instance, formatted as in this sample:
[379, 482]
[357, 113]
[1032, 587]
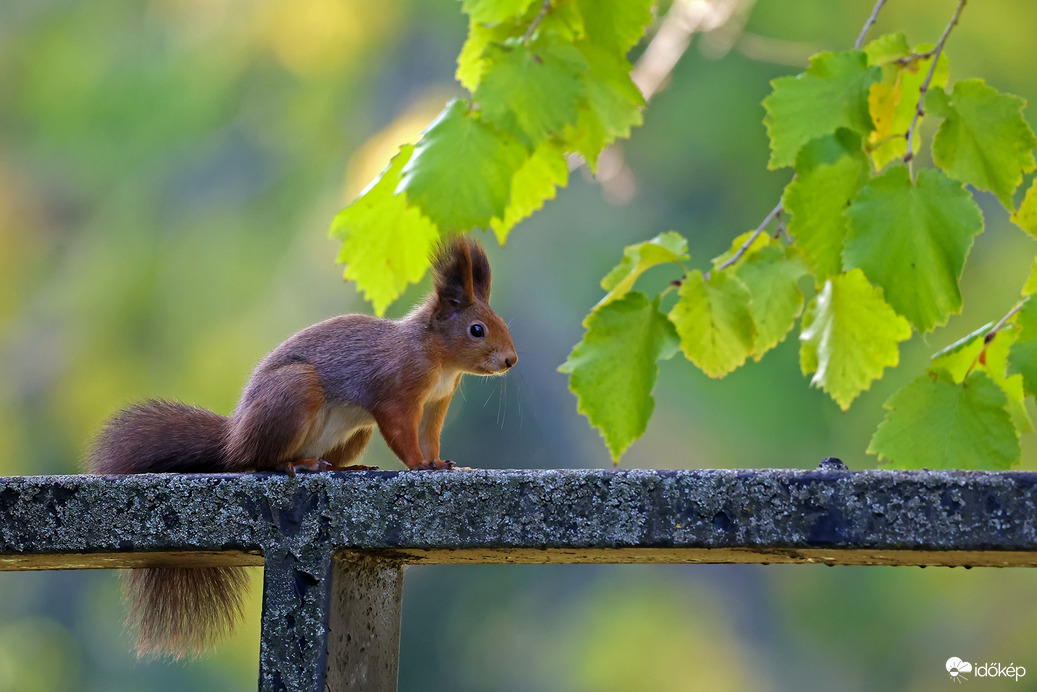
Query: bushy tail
[183, 611]
[177, 611]
[160, 436]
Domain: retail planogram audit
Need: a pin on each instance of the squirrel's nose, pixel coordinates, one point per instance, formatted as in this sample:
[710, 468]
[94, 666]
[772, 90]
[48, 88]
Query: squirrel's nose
[510, 360]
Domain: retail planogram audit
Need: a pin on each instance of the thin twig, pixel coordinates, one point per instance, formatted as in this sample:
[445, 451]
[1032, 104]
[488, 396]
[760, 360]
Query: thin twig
[774, 213]
[536, 21]
[992, 332]
[989, 336]
[914, 57]
[867, 24]
[929, 78]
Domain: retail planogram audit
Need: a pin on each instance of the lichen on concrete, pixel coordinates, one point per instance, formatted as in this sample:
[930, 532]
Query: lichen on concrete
[552, 510]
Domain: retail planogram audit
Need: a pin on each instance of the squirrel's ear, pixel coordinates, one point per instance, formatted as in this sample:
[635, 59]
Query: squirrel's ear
[480, 272]
[452, 268]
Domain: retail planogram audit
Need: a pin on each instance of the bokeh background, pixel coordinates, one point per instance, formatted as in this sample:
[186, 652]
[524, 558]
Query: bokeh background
[168, 173]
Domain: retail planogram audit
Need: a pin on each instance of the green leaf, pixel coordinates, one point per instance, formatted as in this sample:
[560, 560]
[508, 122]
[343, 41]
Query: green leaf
[611, 106]
[974, 353]
[534, 183]
[614, 368]
[773, 282]
[615, 25]
[759, 241]
[531, 89]
[714, 322]
[912, 241]
[832, 93]
[829, 172]
[470, 62]
[984, 140]
[849, 337]
[937, 424]
[385, 242]
[1031, 281]
[461, 171]
[892, 100]
[1022, 357]
[494, 11]
[1026, 216]
[640, 257]
[958, 358]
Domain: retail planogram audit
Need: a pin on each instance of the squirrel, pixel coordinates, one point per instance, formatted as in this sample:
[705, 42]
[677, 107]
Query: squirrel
[311, 404]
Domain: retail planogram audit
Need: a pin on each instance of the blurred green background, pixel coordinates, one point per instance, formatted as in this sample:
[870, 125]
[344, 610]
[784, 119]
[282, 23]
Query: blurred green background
[168, 173]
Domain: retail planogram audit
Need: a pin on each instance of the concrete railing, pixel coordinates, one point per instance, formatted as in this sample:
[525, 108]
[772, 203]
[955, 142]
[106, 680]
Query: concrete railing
[334, 545]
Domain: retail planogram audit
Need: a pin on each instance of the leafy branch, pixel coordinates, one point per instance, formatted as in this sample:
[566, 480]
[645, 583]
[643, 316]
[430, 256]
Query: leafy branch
[919, 112]
[773, 215]
[847, 127]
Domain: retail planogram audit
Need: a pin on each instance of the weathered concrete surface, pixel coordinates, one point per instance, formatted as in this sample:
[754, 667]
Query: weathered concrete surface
[364, 625]
[334, 545]
[830, 516]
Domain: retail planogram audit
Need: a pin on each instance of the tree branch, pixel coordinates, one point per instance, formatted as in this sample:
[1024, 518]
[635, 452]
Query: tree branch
[774, 214]
[992, 332]
[867, 24]
[536, 21]
[928, 79]
[914, 57]
[989, 336]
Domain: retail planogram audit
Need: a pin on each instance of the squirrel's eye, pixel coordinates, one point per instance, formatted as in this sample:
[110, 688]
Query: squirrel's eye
[477, 330]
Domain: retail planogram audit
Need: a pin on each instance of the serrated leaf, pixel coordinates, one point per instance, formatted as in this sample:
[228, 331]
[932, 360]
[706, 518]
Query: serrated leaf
[385, 242]
[912, 240]
[1031, 281]
[959, 357]
[773, 282]
[639, 258]
[974, 353]
[615, 25]
[614, 368]
[984, 140]
[470, 61]
[714, 322]
[610, 108]
[760, 241]
[460, 173]
[892, 100]
[494, 11]
[1026, 216]
[534, 183]
[886, 48]
[850, 335]
[830, 171]
[1022, 357]
[531, 88]
[832, 93]
[937, 424]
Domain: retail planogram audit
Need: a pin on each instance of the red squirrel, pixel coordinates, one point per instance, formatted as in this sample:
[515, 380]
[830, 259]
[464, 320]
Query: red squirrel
[311, 404]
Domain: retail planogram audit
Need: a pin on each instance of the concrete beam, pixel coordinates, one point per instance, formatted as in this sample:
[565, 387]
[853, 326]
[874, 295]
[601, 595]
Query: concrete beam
[769, 515]
[333, 545]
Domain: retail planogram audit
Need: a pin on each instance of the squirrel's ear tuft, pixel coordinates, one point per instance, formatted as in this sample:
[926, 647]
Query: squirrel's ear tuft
[453, 275]
[480, 271]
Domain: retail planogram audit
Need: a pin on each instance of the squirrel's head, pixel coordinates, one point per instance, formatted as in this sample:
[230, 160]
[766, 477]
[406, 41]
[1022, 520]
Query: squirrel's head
[476, 340]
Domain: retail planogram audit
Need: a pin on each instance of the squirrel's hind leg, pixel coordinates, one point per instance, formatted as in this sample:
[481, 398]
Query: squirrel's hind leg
[275, 418]
[340, 457]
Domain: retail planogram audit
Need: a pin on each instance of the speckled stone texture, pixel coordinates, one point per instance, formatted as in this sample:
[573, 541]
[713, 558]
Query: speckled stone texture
[318, 532]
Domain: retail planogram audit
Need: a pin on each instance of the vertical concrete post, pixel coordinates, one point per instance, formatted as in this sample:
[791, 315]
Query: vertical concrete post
[293, 641]
[364, 624]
